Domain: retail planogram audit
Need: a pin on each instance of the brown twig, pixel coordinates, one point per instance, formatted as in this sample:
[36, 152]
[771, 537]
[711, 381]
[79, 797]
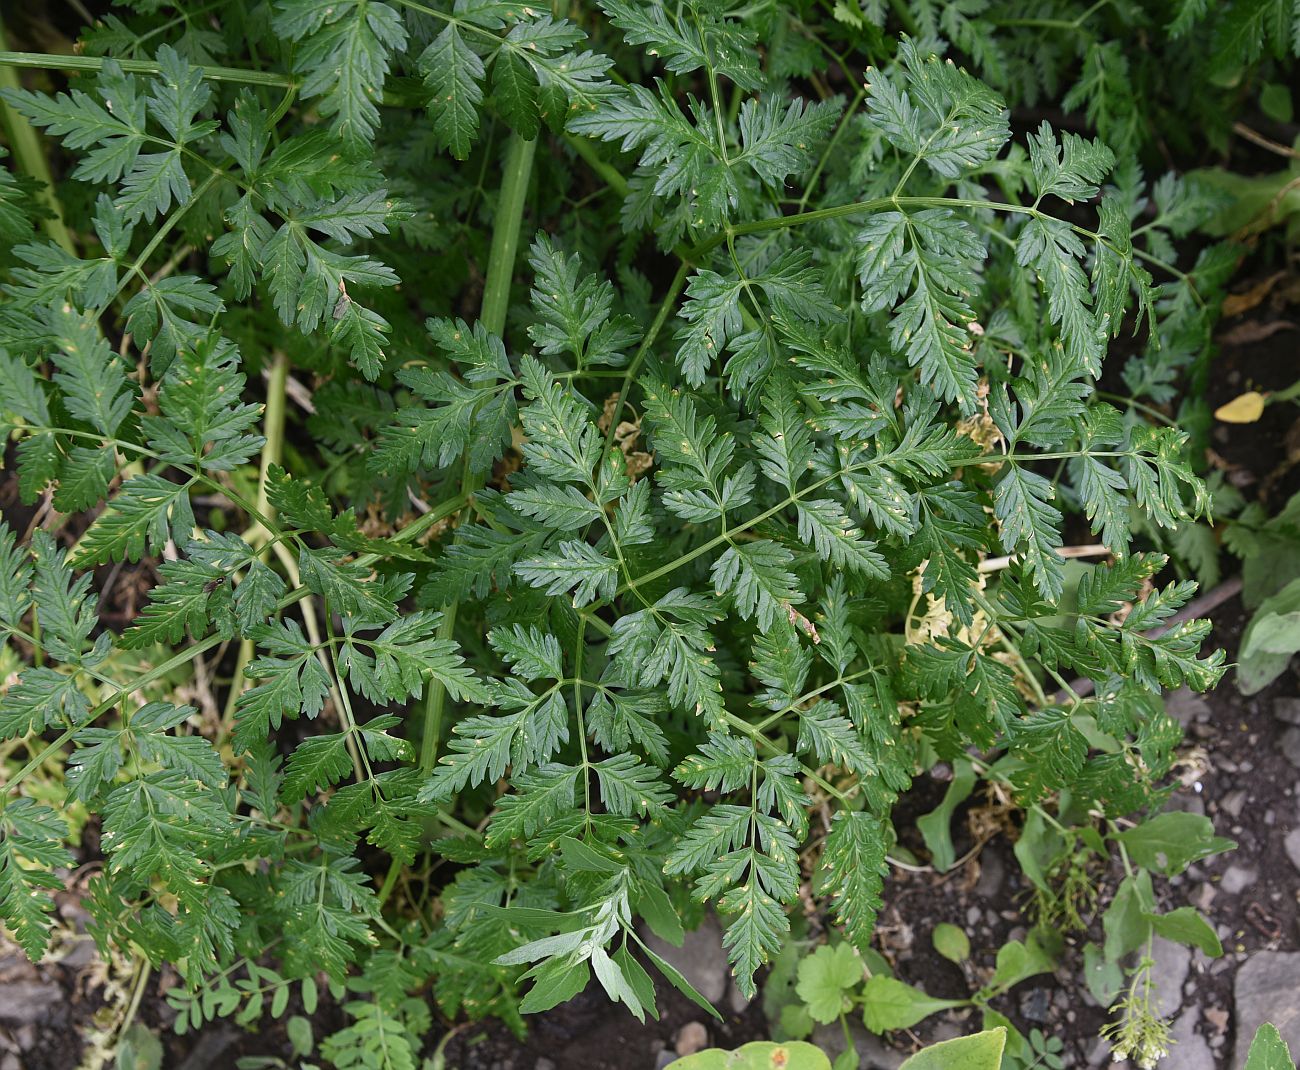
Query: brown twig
[1254, 136]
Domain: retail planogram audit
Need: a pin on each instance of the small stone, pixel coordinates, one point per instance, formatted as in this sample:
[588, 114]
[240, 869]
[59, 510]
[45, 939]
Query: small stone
[992, 873]
[1205, 896]
[1292, 845]
[80, 954]
[1172, 962]
[665, 1059]
[1186, 802]
[943, 1029]
[1287, 710]
[1193, 1052]
[873, 1052]
[16, 967]
[1291, 746]
[1186, 706]
[701, 958]
[544, 1063]
[973, 916]
[737, 1000]
[1034, 1005]
[27, 1001]
[1218, 1019]
[1237, 879]
[1264, 991]
[1233, 803]
[691, 1037]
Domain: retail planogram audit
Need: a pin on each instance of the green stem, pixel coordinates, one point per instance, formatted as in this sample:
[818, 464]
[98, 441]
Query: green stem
[579, 650]
[611, 174]
[505, 233]
[905, 19]
[761, 740]
[30, 158]
[41, 61]
[839, 211]
[496, 302]
[273, 429]
[666, 307]
[1121, 399]
[272, 451]
[170, 224]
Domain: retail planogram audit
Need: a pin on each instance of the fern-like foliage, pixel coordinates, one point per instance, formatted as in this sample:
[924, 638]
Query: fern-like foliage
[647, 559]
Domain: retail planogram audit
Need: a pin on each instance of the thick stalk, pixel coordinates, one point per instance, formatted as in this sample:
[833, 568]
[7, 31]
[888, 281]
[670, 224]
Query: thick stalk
[505, 232]
[273, 429]
[272, 451]
[496, 302]
[41, 61]
[30, 158]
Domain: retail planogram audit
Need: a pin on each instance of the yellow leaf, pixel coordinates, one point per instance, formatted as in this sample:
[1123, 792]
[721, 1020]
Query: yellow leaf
[1242, 410]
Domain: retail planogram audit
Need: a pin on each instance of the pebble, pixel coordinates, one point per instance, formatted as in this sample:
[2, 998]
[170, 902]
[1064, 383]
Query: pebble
[544, 1064]
[1233, 802]
[992, 873]
[1292, 845]
[27, 1001]
[1034, 1005]
[737, 1000]
[1172, 963]
[1186, 706]
[1291, 746]
[1287, 710]
[1236, 879]
[1264, 991]
[80, 954]
[701, 958]
[1193, 1052]
[873, 1052]
[211, 1051]
[973, 916]
[1218, 1019]
[1186, 802]
[690, 1038]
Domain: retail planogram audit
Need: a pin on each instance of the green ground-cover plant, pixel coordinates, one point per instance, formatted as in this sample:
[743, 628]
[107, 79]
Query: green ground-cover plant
[980, 1051]
[720, 492]
[835, 982]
